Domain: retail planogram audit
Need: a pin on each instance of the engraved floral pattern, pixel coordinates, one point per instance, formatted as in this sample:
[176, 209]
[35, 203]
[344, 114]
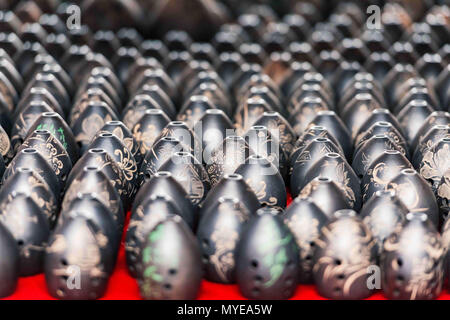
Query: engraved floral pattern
[435, 163]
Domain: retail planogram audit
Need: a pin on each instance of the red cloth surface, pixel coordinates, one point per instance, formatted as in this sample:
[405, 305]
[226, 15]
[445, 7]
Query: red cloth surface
[123, 287]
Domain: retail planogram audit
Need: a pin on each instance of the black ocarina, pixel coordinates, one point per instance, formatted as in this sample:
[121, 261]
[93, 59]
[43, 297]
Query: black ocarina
[148, 128]
[25, 120]
[249, 112]
[31, 158]
[383, 214]
[413, 116]
[143, 219]
[434, 135]
[218, 234]
[315, 150]
[160, 97]
[358, 110]
[412, 260]
[264, 95]
[193, 109]
[434, 119]
[26, 180]
[54, 123]
[443, 195]
[226, 157]
[75, 261]
[162, 276]
[215, 126]
[265, 180]
[379, 63]
[415, 193]
[346, 249]
[82, 101]
[378, 115]
[30, 228]
[121, 155]
[267, 258]
[160, 152]
[231, 186]
[9, 271]
[383, 128]
[305, 112]
[326, 194]
[164, 184]
[188, 138]
[336, 168]
[264, 145]
[136, 108]
[305, 220]
[190, 173]
[92, 180]
[306, 137]
[336, 128]
[435, 162]
[88, 206]
[418, 91]
[90, 121]
[124, 134]
[280, 128]
[383, 168]
[52, 151]
[100, 158]
[370, 150]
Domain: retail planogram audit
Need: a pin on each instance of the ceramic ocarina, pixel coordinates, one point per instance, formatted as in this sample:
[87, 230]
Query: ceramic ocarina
[75, 261]
[162, 276]
[218, 234]
[30, 228]
[305, 220]
[412, 261]
[267, 271]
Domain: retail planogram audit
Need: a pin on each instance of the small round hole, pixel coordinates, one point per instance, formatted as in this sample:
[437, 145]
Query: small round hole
[399, 262]
[172, 272]
[337, 262]
[254, 264]
[256, 292]
[167, 286]
[20, 243]
[64, 262]
[258, 279]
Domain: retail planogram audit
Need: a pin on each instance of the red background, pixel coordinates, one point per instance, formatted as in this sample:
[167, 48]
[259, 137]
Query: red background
[123, 287]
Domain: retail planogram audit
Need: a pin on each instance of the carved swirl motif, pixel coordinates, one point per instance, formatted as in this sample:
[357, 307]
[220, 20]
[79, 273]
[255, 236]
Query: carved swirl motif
[352, 266]
[225, 239]
[426, 268]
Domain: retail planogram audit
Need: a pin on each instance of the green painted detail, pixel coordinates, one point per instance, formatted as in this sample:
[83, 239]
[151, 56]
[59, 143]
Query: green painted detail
[156, 233]
[274, 252]
[150, 256]
[58, 133]
[147, 255]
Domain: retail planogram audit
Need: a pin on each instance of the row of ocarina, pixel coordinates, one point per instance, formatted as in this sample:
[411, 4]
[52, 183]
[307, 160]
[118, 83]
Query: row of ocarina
[114, 152]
